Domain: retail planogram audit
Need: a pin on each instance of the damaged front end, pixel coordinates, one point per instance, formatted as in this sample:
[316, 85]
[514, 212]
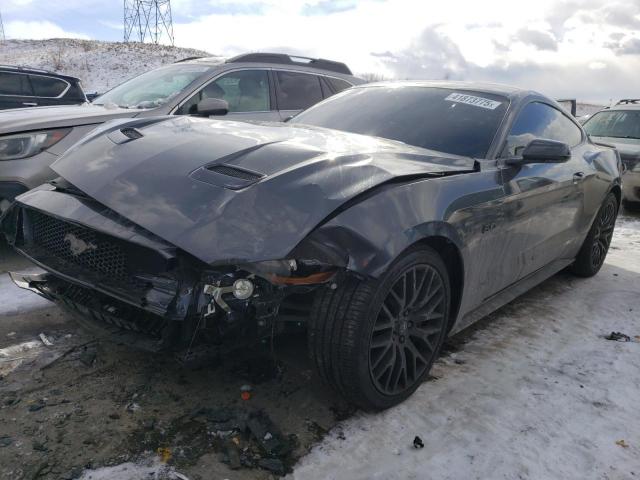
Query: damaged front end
[116, 274]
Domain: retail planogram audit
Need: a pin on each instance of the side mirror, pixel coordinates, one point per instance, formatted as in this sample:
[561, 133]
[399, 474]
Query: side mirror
[212, 106]
[541, 150]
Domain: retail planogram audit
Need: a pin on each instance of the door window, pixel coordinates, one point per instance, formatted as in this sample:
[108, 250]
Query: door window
[14, 84]
[47, 86]
[538, 120]
[297, 91]
[244, 91]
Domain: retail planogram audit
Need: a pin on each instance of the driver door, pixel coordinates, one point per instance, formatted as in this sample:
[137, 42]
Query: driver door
[543, 201]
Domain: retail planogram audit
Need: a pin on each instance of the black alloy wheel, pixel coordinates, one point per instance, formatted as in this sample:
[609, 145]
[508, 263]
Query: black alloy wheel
[375, 340]
[594, 250]
[405, 335]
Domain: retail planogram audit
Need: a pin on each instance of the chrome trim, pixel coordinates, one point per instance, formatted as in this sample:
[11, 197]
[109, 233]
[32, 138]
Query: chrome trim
[37, 75]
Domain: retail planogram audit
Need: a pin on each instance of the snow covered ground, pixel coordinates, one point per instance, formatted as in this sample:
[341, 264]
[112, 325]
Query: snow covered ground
[537, 393]
[100, 65]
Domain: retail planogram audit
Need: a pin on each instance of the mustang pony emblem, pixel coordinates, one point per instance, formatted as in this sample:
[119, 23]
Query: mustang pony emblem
[77, 245]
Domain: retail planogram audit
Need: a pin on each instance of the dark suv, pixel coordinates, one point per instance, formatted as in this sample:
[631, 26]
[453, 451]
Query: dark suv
[28, 87]
[256, 86]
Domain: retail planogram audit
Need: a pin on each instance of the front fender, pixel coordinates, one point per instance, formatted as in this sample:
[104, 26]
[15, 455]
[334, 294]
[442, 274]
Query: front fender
[367, 237]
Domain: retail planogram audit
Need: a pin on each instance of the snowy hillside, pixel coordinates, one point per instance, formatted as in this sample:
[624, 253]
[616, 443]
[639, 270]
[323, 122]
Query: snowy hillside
[100, 65]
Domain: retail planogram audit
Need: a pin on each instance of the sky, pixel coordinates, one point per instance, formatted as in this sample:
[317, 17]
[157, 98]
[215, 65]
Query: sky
[585, 49]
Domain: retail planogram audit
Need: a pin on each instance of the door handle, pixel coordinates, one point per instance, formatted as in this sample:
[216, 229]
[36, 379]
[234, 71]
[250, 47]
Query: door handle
[578, 177]
[30, 104]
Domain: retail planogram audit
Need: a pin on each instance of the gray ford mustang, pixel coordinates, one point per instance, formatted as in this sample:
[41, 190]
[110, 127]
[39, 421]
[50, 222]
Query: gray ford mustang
[385, 217]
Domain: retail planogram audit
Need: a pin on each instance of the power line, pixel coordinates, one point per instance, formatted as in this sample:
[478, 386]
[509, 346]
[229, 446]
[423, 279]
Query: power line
[2, 38]
[148, 21]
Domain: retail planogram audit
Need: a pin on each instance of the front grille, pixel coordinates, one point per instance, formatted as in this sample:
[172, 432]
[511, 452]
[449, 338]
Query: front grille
[80, 246]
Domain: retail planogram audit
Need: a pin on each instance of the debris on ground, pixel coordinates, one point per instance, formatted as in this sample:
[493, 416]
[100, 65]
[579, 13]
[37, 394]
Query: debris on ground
[5, 441]
[417, 442]
[88, 355]
[245, 392]
[618, 337]
[622, 443]
[45, 340]
[248, 439]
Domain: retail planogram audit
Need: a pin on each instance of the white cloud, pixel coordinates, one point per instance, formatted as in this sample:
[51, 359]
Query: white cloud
[556, 41]
[38, 30]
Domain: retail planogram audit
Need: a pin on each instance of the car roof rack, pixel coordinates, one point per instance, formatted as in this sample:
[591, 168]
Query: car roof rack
[284, 59]
[628, 101]
[27, 69]
[187, 59]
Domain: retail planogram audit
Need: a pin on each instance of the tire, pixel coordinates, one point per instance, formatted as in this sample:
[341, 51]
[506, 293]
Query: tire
[363, 343]
[595, 247]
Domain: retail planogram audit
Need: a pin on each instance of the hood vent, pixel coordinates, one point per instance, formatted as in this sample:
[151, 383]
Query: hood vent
[235, 172]
[131, 133]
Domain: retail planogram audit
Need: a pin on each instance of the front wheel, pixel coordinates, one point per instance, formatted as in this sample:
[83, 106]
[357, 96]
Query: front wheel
[595, 247]
[374, 341]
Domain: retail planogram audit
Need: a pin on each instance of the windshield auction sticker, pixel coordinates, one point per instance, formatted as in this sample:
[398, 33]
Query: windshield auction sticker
[475, 101]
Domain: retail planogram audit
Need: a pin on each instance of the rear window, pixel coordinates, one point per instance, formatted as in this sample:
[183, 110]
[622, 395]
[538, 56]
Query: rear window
[457, 122]
[297, 91]
[337, 85]
[14, 84]
[47, 86]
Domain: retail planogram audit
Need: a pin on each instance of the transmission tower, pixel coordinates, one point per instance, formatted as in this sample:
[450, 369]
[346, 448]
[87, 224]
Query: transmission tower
[148, 21]
[1, 29]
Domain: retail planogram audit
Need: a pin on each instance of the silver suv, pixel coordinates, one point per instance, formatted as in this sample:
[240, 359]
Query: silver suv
[257, 86]
[620, 126]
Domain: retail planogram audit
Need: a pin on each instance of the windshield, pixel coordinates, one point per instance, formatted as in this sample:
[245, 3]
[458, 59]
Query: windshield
[152, 89]
[614, 123]
[453, 121]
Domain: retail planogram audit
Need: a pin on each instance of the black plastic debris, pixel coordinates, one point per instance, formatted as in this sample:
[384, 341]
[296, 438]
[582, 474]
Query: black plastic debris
[417, 442]
[5, 441]
[618, 337]
[88, 356]
[267, 435]
[273, 465]
[39, 405]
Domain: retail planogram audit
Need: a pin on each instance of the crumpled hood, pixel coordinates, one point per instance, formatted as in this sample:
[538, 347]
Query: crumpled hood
[39, 118]
[163, 180]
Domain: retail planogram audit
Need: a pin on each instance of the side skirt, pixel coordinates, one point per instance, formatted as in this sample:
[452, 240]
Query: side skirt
[510, 293]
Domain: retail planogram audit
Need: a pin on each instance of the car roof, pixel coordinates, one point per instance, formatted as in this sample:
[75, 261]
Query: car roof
[270, 60]
[36, 71]
[495, 88]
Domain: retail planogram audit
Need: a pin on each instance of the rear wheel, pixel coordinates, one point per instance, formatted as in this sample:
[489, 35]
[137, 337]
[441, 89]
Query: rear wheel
[374, 341]
[595, 247]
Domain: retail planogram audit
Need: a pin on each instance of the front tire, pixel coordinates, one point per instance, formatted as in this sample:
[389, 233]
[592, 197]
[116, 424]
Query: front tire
[374, 341]
[595, 247]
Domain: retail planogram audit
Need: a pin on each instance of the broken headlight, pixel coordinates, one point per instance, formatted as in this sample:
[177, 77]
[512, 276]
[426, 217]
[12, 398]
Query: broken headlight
[24, 145]
[292, 272]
